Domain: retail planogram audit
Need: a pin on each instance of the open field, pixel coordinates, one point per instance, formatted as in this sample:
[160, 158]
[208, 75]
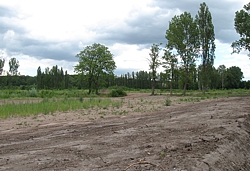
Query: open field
[138, 132]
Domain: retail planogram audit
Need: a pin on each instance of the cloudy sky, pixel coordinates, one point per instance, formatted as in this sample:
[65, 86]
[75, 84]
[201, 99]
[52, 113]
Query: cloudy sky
[51, 32]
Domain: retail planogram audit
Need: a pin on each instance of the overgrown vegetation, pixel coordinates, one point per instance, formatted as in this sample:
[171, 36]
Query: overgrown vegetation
[118, 92]
[50, 106]
[72, 100]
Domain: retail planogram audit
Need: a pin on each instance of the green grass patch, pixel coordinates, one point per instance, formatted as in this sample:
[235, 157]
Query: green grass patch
[50, 106]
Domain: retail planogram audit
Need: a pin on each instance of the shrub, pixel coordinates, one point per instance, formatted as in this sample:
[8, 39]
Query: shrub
[117, 93]
[168, 101]
[33, 92]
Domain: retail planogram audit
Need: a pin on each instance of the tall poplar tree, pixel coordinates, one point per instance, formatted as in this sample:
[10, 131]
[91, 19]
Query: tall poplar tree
[207, 45]
[39, 78]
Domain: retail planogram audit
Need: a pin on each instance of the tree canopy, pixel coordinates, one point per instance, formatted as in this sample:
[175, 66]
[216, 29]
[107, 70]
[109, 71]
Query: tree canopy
[95, 62]
[154, 63]
[242, 27]
[2, 61]
[13, 66]
[183, 36]
[207, 45]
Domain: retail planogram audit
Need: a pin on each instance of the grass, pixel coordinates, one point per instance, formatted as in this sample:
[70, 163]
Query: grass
[66, 100]
[50, 106]
[168, 101]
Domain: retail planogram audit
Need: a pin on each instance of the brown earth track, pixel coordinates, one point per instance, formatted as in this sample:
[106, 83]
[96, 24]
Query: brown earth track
[207, 135]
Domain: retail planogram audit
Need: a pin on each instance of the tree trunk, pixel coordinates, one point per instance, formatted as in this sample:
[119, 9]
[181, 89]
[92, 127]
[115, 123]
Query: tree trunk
[185, 89]
[204, 79]
[171, 88]
[203, 88]
[153, 87]
[186, 81]
[96, 89]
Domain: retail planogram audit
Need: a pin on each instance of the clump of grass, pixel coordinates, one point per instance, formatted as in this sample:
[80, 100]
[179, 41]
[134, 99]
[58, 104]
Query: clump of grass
[117, 93]
[168, 101]
[190, 99]
[33, 92]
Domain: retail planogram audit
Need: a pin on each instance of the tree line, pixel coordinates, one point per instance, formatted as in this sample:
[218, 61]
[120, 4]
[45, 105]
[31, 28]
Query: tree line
[58, 79]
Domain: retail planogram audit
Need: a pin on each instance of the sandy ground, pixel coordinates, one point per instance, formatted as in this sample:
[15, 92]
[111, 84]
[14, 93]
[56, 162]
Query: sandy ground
[141, 134]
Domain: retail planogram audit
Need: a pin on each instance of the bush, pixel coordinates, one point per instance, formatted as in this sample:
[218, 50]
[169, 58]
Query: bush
[33, 92]
[46, 93]
[117, 93]
[168, 101]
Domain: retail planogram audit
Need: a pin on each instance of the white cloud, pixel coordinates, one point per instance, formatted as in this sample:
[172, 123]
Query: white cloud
[50, 32]
[130, 57]
[224, 57]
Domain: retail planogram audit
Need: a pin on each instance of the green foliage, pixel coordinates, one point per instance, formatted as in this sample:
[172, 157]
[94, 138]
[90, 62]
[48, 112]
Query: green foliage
[242, 25]
[170, 62]
[50, 106]
[33, 92]
[206, 41]
[234, 77]
[53, 78]
[13, 66]
[168, 101]
[2, 61]
[154, 63]
[46, 93]
[183, 36]
[117, 93]
[96, 63]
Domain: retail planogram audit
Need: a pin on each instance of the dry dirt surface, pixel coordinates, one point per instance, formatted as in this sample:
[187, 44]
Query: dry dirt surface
[201, 136]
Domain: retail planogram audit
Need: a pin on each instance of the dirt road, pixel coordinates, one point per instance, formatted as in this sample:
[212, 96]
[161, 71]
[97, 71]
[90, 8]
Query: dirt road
[200, 136]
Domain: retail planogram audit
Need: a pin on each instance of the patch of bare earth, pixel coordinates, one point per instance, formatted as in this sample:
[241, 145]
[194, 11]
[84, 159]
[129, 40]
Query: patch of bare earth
[141, 134]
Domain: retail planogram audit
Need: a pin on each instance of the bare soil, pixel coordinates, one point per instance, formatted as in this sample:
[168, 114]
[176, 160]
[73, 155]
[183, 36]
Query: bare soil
[142, 134]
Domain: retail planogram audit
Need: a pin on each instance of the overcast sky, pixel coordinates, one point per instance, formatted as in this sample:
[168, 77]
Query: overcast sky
[51, 32]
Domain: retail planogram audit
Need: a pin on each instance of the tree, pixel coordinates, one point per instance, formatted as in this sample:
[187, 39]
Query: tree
[206, 41]
[2, 61]
[242, 27]
[39, 78]
[222, 72]
[13, 66]
[234, 77]
[154, 63]
[183, 36]
[95, 62]
[170, 65]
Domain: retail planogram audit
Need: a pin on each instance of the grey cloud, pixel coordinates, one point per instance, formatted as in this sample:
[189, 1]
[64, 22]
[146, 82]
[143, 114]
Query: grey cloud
[143, 29]
[7, 12]
[41, 49]
[7, 15]
[223, 13]
[15, 40]
[148, 28]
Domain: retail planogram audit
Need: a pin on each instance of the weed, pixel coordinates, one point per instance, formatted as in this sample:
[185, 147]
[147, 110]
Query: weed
[168, 101]
[81, 99]
[19, 123]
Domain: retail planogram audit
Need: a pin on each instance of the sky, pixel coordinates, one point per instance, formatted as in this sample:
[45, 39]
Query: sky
[46, 33]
